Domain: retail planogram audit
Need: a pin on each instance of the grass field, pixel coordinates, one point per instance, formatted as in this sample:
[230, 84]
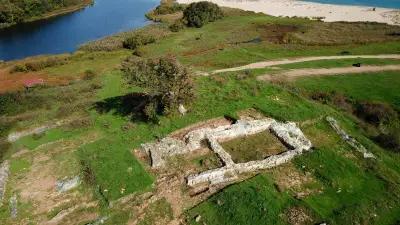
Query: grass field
[331, 184]
[381, 86]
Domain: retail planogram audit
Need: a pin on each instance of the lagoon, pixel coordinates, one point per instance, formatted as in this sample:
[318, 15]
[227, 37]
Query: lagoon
[65, 33]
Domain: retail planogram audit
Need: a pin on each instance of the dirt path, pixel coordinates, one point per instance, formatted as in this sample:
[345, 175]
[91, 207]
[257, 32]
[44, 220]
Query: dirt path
[263, 64]
[293, 74]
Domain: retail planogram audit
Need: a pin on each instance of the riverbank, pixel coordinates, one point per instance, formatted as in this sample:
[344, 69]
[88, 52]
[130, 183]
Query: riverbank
[54, 13]
[325, 12]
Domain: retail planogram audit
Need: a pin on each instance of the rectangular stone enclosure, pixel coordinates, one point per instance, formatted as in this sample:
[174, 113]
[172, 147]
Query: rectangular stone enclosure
[292, 142]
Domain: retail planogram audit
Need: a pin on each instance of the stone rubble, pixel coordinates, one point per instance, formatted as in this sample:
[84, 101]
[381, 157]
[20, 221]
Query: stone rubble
[182, 110]
[288, 133]
[348, 139]
[4, 172]
[66, 185]
[13, 137]
[13, 206]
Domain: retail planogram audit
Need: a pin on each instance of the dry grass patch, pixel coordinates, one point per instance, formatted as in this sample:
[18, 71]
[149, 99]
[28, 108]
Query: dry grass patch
[253, 147]
[340, 33]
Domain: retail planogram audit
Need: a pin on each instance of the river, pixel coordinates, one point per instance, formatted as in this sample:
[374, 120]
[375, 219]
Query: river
[65, 33]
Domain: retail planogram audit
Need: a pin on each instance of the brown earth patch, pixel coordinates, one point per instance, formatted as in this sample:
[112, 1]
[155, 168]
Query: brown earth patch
[276, 33]
[15, 81]
[287, 177]
[298, 216]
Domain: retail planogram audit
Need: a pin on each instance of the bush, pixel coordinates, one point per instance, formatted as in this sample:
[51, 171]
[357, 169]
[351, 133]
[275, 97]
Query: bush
[39, 64]
[137, 41]
[167, 82]
[199, 13]
[168, 8]
[390, 141]
[375, 113]
[89, 75]
[19, 102]
[177, 26]
[19, 69]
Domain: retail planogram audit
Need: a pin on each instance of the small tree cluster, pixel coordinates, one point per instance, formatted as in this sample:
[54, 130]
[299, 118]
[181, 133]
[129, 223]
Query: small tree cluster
[165, 80]
[168, 7]
[199, 13]
[138, 40]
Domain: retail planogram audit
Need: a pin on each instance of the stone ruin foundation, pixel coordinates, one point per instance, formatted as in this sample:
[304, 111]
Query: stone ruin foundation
[288, 133]
[349, 139]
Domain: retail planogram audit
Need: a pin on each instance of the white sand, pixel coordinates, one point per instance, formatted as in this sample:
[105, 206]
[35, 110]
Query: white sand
[327, 12]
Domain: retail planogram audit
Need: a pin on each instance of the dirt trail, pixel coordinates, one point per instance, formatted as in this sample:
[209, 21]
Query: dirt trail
[293, 74]
[263, 64]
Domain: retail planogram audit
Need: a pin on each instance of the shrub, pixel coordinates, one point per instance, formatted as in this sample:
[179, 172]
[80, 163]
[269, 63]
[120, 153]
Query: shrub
[89, 75]
[390, 141]
[140, 52]
[168, 8]
[19, 69]
[177, 26]
[375, 113]
[199, 13]
[39, 64]
[137, 41]
[167, 82]
[19, 102]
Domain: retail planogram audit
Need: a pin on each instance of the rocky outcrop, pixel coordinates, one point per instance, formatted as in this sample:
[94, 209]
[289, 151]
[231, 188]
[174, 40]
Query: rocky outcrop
[4, 172]
[68, 184]
[348, 139]
[288, 133]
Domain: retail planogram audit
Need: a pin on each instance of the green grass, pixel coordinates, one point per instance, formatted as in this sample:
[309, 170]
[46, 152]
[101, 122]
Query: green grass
[34, 141]
[255, 201]
[367, 188]
[116, 171]
[221, 44]
[19, 165]
[253, 147]
[382, 86]
[158, 211]
[340, 63]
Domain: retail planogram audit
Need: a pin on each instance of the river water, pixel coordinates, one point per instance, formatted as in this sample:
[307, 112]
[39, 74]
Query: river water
[65, 33]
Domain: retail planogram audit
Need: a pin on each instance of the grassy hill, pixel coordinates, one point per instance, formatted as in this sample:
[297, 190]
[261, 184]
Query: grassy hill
[332, 184]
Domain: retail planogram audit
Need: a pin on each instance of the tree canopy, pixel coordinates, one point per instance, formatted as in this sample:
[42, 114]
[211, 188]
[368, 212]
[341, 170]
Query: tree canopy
[199, 13]
[166, 81]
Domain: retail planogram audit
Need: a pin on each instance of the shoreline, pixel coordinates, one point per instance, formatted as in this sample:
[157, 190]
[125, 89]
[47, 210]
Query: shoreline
[55, 13]
[313, 10]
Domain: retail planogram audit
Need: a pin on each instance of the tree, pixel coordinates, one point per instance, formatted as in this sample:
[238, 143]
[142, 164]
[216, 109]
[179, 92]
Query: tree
[165, 80]
[199, 13]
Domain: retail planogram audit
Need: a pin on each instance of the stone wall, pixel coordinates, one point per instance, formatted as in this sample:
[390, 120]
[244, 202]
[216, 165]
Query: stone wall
[4, 172]
[288, 133]
[348, 139]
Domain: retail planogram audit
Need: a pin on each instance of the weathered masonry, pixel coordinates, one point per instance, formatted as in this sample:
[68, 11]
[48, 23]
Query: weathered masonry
[288, 133]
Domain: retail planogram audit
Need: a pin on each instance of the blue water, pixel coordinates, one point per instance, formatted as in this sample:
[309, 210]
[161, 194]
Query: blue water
[395, 4]
[65, 33]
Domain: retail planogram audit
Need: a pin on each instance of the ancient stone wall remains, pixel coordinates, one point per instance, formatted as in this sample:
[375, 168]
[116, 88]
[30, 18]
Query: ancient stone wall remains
[347, 138]
[288, 133]
[4, 172]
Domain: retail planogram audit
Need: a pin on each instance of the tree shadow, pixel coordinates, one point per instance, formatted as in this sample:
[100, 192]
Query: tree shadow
[131, 105]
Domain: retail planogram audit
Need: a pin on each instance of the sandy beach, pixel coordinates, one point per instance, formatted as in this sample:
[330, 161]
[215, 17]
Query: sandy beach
[326, 12]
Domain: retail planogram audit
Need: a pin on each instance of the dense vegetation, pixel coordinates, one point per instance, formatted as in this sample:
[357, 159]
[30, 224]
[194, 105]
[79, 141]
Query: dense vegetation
[199, 13]
[166, 82]
[15, 11]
